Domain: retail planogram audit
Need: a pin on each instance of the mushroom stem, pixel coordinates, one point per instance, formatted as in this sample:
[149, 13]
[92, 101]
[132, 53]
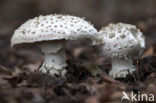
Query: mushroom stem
[121, 67]
[55, 61]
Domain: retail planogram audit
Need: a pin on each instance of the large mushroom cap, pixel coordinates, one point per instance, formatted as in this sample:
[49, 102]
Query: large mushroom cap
[121, 40]
[53, 27]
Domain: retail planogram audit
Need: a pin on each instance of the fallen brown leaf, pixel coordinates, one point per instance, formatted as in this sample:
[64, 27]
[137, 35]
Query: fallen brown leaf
[4, 70]
[151, 51]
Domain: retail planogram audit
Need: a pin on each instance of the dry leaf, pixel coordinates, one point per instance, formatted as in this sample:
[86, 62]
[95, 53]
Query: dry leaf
[151, 51]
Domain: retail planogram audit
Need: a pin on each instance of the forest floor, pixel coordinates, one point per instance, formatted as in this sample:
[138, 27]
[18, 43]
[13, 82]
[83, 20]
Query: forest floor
[21, 82]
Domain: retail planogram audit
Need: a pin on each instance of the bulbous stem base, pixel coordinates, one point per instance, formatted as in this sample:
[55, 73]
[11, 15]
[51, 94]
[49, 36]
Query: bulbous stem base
[121, 67]
[55, 61]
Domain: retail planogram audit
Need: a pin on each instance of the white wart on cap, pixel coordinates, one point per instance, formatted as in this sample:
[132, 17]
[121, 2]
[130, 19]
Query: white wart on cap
[54, 29]
[121, 42]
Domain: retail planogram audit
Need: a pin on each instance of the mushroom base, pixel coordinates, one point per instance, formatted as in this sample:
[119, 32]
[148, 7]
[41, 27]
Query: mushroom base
[121, 67]
[55, 61]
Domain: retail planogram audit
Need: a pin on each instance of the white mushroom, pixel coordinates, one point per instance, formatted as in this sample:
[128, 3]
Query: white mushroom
[121, 42]
[50, 32]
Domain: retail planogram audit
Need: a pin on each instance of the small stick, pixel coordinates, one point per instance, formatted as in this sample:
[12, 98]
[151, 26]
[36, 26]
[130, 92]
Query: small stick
[137, 69]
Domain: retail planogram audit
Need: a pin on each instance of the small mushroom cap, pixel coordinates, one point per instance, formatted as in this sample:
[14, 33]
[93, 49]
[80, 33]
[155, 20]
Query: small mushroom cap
[121, 40]
[53, 27]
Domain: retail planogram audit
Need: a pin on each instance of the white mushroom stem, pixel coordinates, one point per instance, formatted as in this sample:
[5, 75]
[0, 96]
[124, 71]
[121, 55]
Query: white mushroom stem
[54, 61]
[121, 67]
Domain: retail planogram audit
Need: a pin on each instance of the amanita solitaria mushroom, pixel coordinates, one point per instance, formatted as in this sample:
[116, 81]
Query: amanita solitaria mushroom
[121, 42]
[50, 33]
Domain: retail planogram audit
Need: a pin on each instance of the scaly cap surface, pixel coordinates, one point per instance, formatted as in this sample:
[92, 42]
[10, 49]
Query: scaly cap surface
[121, 40]
[53, 27]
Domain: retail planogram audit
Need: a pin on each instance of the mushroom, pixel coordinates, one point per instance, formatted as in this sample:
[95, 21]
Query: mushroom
[121, 42]
[50, 33]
